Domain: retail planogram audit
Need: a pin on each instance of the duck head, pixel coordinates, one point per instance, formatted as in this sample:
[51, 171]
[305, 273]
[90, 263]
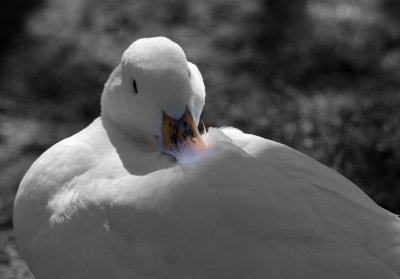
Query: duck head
[155, 96]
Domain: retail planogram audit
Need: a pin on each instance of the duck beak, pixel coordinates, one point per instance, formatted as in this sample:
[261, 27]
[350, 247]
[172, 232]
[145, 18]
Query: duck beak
[184, 130]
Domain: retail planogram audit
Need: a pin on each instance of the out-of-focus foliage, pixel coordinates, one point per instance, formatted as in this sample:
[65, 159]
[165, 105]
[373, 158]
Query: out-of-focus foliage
[320, 75]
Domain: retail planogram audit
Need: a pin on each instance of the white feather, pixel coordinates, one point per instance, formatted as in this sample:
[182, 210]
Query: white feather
[105, 203]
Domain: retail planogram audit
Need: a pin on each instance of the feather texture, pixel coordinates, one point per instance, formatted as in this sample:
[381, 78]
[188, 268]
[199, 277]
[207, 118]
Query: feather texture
[236, 212]
[106, 203]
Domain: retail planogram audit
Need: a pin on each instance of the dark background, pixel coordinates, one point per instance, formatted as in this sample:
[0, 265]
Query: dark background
[321, 76]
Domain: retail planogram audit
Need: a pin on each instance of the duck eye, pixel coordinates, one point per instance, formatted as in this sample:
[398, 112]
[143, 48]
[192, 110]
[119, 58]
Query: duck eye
[189, 73]
[135, 87]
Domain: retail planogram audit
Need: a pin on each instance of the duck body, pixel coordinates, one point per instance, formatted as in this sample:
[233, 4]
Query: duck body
[235, 212]
[105, 204]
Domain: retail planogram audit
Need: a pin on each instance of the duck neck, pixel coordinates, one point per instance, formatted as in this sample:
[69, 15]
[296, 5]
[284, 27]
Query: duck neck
[138, 158]
[120, 139]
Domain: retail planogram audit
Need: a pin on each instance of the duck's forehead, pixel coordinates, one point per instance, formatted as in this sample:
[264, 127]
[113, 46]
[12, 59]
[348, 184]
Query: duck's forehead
[155, 54]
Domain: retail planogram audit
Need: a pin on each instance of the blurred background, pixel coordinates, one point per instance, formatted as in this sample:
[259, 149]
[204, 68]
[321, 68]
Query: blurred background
[322, 76]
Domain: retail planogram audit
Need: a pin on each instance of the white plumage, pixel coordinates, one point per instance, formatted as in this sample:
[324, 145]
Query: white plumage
[106, 203]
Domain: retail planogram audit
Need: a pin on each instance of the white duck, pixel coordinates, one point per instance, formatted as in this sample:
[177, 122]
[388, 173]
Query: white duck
[112, 202]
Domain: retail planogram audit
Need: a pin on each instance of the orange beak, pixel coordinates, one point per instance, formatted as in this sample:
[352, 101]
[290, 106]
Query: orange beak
[184, 130]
